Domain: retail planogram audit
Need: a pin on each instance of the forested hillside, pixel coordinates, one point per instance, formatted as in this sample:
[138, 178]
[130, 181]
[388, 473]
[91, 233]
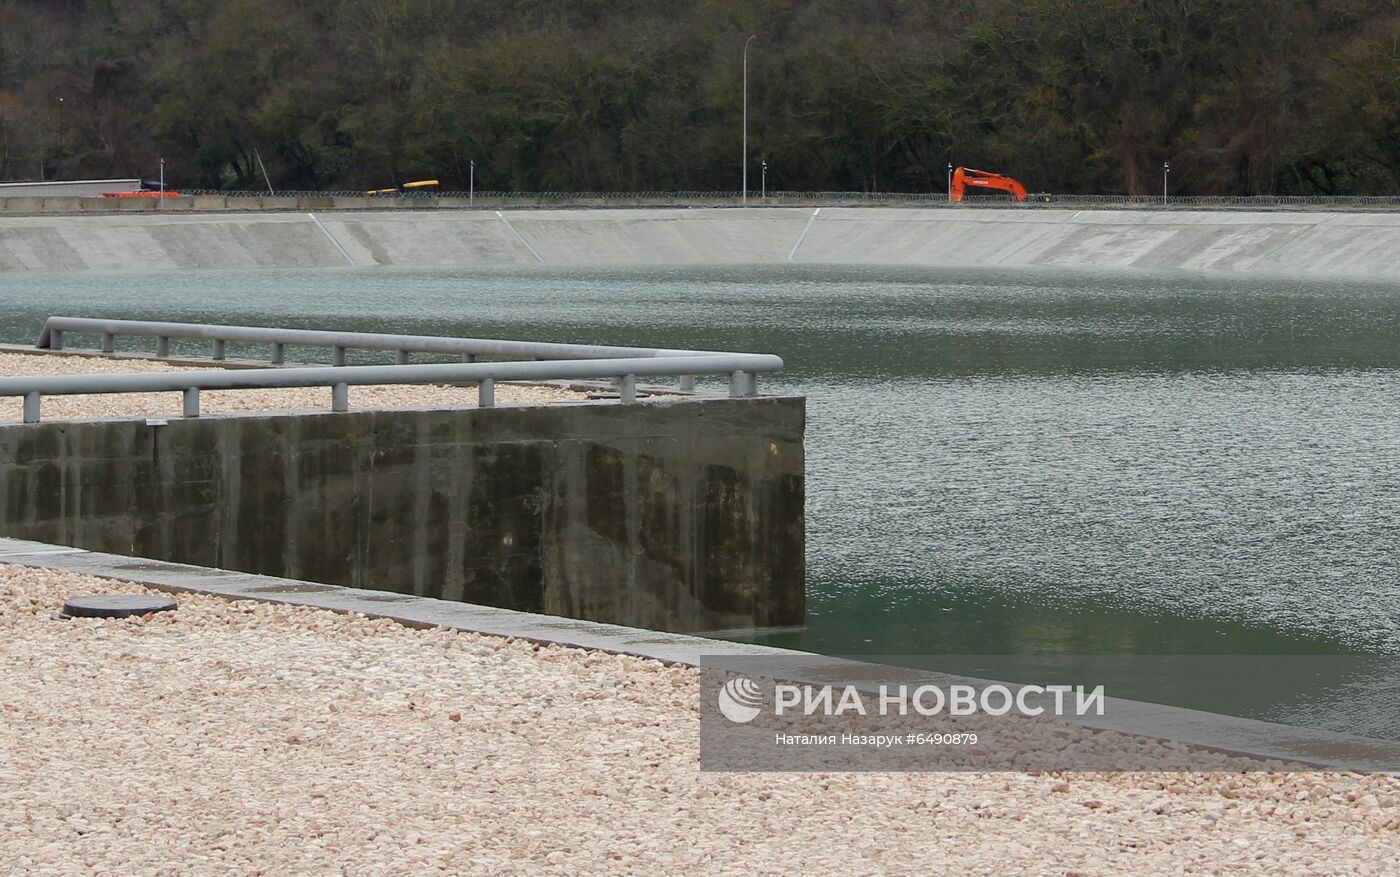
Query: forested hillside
[1265, 97]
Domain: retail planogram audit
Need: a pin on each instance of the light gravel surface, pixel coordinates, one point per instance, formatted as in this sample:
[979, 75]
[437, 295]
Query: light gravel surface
[229, 401]
[243, 738]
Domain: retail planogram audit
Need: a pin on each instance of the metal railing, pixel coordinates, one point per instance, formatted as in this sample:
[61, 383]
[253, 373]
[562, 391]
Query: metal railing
[51, 337]
[546, 361]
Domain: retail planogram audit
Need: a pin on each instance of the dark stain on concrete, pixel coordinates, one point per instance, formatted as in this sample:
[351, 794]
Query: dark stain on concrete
[679, 517]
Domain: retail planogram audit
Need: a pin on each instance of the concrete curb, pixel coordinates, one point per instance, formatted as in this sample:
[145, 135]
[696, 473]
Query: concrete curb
[407, 609]
[64, 205]
[1229, 735]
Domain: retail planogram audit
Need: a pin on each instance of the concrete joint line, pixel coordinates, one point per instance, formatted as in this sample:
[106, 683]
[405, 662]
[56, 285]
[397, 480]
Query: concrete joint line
[802, 237]
[1307, 230]
[330, 237]
[520, 237]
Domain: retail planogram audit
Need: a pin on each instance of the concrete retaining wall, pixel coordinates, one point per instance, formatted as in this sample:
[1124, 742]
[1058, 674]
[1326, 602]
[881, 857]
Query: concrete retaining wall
[1359, 245]
[682, 517]
[64, 192]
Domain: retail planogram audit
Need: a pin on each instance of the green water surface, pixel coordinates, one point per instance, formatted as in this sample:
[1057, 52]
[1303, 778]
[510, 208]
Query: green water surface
[997, 462]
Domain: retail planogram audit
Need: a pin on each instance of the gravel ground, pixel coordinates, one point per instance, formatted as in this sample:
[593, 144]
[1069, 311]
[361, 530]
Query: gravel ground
[228, 401]
[242, 738]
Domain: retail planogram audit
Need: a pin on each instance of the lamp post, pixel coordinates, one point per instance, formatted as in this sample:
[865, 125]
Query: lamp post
[765, 179]
[950, 181]
[471, 184]
[1166, 169]
[744, 194]
[160, 202]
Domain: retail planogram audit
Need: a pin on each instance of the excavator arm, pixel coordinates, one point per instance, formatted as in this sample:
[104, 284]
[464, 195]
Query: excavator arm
[964, 177]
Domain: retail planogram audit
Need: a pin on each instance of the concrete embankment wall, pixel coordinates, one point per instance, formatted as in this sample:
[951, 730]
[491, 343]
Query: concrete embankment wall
[682, 517]
[1310, 243]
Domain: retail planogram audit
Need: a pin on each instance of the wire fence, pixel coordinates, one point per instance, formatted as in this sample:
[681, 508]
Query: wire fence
[1039, 199]
[496, 195]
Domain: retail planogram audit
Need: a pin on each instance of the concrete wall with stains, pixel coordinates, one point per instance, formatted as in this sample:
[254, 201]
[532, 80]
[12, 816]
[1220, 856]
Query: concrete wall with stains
[681, 516]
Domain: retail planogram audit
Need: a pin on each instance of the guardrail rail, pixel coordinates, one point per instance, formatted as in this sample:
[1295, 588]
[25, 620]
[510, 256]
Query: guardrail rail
[523, 361]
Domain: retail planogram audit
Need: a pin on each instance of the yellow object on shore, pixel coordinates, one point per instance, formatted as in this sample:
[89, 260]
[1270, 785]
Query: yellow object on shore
[417, 184]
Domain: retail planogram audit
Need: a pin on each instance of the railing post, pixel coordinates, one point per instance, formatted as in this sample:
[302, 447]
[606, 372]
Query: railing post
[31, 407]
[486, 393]
[340, 397]
[400, 357]
[219, 348]
[469, 357]
[191, 401]
[627, 389]
[279, 353]
[688, 383]
[56, 339]
[337, 355]
[162, 346]
[743, 384]
[109, 343]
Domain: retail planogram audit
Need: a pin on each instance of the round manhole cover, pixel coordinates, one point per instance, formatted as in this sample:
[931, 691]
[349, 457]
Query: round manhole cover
[116, 605]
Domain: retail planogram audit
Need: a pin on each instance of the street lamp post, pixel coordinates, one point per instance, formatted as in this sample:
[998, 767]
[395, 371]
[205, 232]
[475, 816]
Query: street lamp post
[471, 184]
[950, 181]
[765, 179]
[160, 202]
[1166, 169]
[744, 194]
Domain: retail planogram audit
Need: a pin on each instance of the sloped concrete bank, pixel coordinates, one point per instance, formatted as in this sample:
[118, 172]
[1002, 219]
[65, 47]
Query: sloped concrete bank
[1278, 243]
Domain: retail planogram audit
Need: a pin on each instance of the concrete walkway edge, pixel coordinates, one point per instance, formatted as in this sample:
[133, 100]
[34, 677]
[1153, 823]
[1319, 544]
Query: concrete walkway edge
[1227, 734]
[405, 608]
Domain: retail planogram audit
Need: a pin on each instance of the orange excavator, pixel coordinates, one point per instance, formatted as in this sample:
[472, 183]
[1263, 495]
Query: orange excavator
[966, 176]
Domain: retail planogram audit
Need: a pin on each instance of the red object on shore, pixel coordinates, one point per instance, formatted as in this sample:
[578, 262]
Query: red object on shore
[140, 194]
[966, 176]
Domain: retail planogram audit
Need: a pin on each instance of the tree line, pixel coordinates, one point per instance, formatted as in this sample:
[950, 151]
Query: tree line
[1086, 96]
